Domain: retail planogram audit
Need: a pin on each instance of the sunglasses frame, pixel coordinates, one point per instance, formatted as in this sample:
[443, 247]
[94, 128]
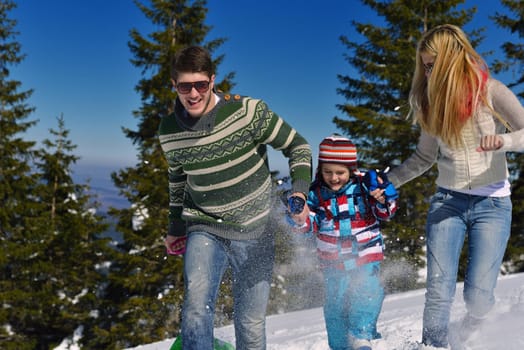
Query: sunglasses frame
[428, 68]
[185, 87]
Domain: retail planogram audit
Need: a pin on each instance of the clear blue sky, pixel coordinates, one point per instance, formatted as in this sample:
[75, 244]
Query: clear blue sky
[285, 52]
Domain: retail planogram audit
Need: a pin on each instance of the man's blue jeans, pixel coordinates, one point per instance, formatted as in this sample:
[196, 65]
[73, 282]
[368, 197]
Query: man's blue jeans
[487, 223]
[206, 259]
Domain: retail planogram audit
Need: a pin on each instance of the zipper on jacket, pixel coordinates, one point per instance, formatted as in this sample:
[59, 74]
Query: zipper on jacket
[467, 161]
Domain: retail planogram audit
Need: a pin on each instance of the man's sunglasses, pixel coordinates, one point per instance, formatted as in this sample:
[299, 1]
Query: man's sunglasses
[185, 88]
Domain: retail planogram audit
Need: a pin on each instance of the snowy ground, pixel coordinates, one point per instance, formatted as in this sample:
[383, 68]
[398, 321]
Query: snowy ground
[400, 323]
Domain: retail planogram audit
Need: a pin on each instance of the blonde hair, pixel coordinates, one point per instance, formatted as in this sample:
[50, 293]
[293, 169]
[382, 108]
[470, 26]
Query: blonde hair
[445, 101]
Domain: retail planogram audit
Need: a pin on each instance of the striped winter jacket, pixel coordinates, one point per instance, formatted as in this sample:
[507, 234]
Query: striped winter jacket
[346, 224]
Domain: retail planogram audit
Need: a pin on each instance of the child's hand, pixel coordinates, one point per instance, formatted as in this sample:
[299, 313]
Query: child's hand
[377, 180]
[297, 208]
[295, 204]
[378, 194]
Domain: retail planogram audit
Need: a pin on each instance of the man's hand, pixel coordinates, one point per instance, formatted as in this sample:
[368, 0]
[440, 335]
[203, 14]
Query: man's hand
[175, 245]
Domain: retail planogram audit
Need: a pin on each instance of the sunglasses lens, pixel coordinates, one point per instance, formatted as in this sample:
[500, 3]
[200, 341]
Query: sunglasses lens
[184, 88]
[202, 86]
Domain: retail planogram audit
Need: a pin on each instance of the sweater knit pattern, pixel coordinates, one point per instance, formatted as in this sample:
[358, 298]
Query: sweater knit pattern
[219, 179]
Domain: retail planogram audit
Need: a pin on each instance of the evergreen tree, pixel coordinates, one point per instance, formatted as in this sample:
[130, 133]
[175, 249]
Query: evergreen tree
[514, 63]
[17, 205]
[513, 50]
[376, 111]
[145, 290]
[62, 273]
[16, 154]
[43, 288]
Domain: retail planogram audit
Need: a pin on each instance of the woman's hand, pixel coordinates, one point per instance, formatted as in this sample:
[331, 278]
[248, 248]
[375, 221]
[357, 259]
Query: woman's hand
[378, 194]
[490, 143]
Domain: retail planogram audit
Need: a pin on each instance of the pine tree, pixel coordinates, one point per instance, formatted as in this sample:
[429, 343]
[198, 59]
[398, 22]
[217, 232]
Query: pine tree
[514, 51]
[63, 272]
[514, 63]
[16, 154]
[145, 291]
[17, 205]
[376, 110]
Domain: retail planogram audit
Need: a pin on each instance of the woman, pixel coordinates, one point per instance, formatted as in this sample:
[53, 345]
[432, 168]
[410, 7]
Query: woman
[463, 115]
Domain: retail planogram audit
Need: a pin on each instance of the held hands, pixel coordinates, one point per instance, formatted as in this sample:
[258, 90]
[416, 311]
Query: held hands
[379, 186]
[297, 208]
[490, 143]
[378, 193]
[175, 245]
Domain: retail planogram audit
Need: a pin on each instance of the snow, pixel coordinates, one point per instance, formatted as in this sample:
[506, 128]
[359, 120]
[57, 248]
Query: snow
[400, 323]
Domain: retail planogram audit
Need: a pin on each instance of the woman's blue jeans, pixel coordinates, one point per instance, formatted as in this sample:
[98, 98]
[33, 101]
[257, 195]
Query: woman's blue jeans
[487, 223]
[206, 259]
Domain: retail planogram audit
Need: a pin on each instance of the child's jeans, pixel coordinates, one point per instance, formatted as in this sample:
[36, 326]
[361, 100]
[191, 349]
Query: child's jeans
[353, 301]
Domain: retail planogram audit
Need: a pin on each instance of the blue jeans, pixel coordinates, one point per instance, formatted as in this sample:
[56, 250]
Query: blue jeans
[353, 301]
[206, 259]
[487, 222]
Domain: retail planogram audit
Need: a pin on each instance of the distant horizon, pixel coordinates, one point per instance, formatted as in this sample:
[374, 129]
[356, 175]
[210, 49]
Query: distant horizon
[98, 178]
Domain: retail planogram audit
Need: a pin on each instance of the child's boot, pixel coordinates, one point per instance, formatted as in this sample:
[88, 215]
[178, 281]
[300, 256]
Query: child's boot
[360, 344]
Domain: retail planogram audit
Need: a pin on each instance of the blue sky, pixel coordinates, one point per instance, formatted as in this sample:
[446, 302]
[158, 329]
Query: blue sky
[285, 52]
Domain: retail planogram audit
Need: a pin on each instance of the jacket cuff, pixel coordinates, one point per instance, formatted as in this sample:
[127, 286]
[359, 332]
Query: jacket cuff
[177, 228]
[301, 186]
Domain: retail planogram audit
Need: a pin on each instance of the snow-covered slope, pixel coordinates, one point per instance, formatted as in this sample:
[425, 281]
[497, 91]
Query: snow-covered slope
[400, 323]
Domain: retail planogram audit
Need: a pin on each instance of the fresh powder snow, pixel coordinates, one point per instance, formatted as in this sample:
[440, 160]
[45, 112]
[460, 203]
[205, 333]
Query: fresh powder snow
[400, 323]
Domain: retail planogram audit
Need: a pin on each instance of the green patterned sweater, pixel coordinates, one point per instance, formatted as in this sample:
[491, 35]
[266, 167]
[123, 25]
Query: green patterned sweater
[219, 177]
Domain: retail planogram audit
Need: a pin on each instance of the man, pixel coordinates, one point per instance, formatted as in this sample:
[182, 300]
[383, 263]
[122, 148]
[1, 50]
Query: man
[220, 197]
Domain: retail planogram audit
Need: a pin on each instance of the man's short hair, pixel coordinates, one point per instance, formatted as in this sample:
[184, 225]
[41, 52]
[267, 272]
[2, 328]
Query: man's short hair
[192, 59]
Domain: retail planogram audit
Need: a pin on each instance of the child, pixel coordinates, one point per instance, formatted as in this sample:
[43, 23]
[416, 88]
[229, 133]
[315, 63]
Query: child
[345, 210]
